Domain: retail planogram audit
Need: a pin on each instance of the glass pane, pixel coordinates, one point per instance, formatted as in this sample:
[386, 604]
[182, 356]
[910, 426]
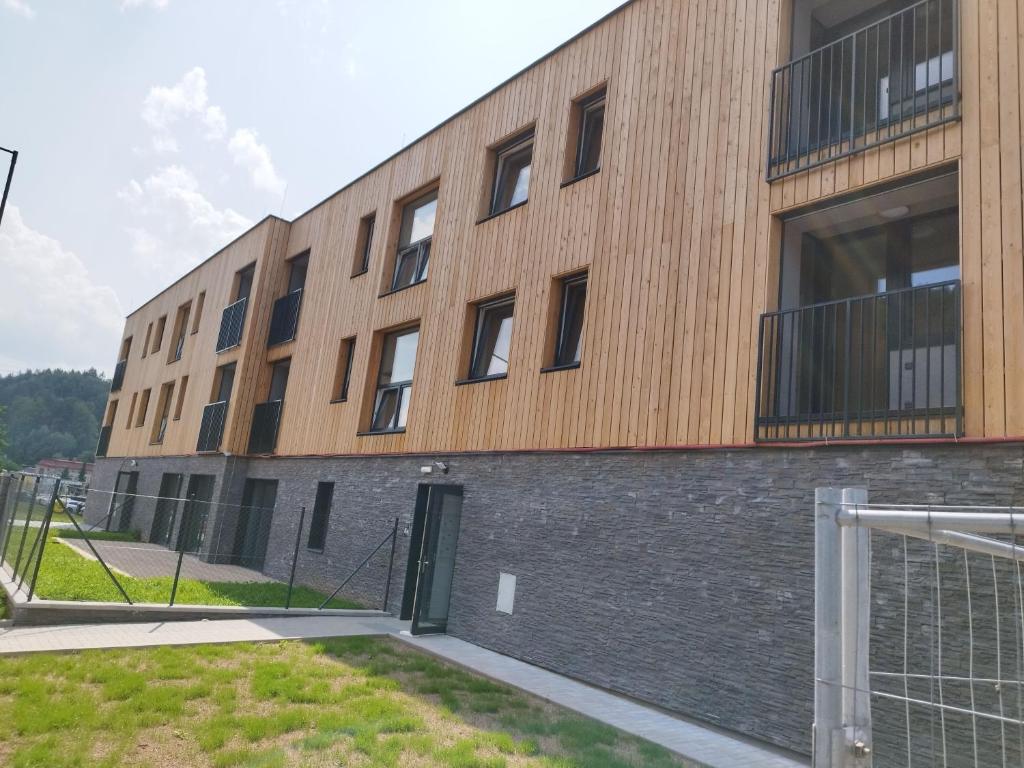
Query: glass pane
[403, 409]
[513, 179]
[278, 381]
[418, 220]
[424, 261]
[441, 537]
[571, 334]
[590, 139]
[384, 409]
[399, 357]
[405, 269]
[494, 334]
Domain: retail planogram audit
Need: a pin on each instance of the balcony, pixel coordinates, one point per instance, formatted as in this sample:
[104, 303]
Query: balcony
[266, 417]
[104, 441]
[211, 429]
[891, 79]
[886, 365]
[118, 380]
[284, 318]
[231, 323]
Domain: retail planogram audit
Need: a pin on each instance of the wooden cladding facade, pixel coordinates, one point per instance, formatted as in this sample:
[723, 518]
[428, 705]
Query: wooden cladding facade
[679, 233]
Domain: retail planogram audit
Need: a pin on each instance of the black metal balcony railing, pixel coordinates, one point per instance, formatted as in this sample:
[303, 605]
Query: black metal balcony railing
[118, 381]
[104, 442]
[231, 323]
[284, 318]
[887, 365]
[266, 417]
[211, 428]
[890, 79]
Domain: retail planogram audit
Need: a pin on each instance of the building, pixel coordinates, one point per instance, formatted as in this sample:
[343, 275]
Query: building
[68, 469]
[597, 337]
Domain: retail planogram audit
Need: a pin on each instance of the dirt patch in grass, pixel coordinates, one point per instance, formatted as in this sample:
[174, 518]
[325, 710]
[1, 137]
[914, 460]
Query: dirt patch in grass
[352, 702]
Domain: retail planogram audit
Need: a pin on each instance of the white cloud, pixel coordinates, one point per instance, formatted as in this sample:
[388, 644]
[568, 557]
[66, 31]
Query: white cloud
[247, 152]
[52, 311]
[178, 226]
[127, 5]
[163, 107]
[20, 7]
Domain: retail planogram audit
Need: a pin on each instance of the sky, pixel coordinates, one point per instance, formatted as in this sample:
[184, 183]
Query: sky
[153, 132]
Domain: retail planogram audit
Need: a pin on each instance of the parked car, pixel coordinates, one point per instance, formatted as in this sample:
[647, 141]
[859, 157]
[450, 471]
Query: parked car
[75, 504]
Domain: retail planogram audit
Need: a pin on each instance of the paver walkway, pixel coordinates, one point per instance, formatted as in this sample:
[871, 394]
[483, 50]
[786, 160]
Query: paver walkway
[697, 742]
[143, 560]
[692, 740]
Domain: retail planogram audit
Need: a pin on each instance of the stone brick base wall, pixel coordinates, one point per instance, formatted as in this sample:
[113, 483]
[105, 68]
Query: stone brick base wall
[684, 579]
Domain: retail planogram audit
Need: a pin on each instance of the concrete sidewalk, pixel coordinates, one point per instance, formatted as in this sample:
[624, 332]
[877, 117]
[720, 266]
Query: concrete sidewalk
[708, 746]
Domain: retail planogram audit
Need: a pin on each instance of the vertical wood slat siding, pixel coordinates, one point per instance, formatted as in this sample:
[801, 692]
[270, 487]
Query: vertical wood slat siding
[679, 232]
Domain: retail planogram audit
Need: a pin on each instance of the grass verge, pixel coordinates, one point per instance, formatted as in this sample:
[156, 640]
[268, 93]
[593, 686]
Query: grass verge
[352, 702]
[66, 575]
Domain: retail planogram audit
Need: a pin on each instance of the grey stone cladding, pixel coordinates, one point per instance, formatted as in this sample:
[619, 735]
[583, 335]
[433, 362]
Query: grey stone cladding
[681, 578]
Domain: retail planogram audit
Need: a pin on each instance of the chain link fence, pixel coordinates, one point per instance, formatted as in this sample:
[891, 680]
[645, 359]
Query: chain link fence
[61, 541]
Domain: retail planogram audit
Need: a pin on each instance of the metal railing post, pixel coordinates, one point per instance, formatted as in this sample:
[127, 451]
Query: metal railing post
[295, 558]
[856, 631]
[43, 533]
[827, 734]
[391, 565]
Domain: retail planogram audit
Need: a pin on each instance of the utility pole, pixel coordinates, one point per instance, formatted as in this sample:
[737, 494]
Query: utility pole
[10, 174]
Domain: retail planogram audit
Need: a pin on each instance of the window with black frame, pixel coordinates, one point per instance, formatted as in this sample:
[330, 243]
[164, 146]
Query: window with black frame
[512, 173]
[321, 516]
[591, 132]
[343, 372]
[363, 244]
[569, 341]
[394, 382]
[414, 240]
[492, 338]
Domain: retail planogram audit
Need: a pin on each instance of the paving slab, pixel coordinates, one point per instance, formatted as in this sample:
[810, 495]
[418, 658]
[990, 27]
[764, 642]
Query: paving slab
[143, 560]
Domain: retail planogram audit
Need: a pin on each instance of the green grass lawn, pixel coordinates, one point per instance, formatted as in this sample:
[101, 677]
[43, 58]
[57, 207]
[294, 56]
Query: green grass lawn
[66, 575]
[344, 702]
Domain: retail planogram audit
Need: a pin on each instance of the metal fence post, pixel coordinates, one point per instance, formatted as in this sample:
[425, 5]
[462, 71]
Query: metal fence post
[295, 558]
[28, 524]
[856, 630]
[44, 532]
[177, 575]
[391, 566]
[828, 651]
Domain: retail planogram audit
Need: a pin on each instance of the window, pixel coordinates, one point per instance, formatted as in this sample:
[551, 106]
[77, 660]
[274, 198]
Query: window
[321, 514]
[143, 407]
[145, 345]
[158, 337]
[180, 332]
[126, 348]
[394, 383]
[131, 411]
[363, 244]
[181, 398]
[491, 338]
[243, 282]
[414, 239]
[225, 381]
[569, 341]
[199, 311]
[512, 173]
[163, 409]
[111, 414]
[343, 373]
[297, 269]
[279, 379]
[591, 130]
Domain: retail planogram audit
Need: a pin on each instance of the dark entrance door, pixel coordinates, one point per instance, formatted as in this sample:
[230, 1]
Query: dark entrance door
[432, 556]
[122, 504]
[166, 508]
[197, 510]
[253, 529]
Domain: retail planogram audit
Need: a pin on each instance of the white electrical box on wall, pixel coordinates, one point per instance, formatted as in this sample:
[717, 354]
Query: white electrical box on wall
[506, 592]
